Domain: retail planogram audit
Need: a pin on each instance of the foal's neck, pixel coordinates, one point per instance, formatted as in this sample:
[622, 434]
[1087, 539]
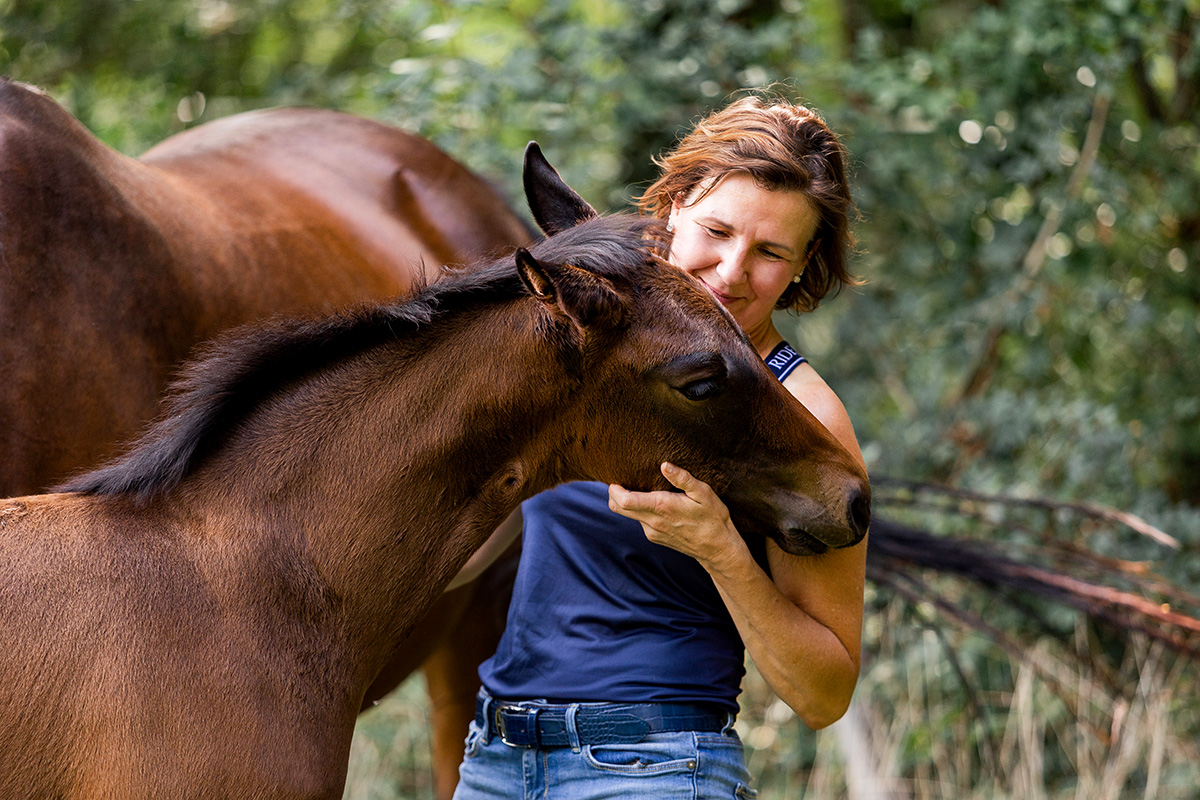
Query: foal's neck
[386, 471]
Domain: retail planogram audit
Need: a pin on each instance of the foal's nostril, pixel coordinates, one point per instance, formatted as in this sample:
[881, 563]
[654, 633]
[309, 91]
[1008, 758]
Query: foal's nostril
[860, 514]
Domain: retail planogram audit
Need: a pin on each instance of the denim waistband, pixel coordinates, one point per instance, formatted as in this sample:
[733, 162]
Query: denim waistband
[539, 724]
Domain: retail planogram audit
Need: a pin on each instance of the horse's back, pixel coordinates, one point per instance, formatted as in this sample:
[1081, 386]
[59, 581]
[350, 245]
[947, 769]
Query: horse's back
[112, 269]
[398, 192]
[79, 267]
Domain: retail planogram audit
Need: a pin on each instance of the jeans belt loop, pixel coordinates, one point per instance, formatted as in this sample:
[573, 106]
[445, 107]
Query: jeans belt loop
[572, 729]
[487, 703]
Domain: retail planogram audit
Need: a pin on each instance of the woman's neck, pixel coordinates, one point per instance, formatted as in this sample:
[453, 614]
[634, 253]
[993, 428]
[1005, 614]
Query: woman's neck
[764, 337]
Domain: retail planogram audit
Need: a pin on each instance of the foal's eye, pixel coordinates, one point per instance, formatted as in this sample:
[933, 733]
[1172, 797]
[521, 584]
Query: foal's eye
[702, 389]
[697, 376]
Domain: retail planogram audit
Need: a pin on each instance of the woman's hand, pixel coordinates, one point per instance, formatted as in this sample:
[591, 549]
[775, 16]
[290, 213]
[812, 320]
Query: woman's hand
[694, 522]
[802, 626]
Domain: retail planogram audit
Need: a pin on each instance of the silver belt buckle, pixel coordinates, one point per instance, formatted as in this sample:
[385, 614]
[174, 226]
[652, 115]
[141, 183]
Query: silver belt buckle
[502, 728]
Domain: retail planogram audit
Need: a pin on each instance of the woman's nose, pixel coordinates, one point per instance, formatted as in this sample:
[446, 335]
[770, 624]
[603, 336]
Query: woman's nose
[732, 267]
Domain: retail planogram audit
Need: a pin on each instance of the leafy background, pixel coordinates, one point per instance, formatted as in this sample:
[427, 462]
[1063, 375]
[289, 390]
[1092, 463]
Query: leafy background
[1028, 177]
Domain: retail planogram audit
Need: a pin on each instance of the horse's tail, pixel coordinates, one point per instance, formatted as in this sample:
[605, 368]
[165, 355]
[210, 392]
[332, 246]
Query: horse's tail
[895, 549]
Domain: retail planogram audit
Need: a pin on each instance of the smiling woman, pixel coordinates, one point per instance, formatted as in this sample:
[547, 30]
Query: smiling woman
[745, 243]
[623, 657]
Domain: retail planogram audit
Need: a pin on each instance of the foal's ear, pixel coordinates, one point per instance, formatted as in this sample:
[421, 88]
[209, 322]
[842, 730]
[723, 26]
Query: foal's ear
[555, 205]
[587, 299]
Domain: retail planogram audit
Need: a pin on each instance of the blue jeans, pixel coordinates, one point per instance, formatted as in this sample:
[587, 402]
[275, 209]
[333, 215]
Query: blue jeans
[687, 766]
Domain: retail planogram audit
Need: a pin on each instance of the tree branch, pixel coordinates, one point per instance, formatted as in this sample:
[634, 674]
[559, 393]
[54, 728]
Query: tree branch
[1087, 509]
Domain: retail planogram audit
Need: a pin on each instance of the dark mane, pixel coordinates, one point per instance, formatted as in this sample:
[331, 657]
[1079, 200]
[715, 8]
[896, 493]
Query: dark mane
[238, 371]
[614, 246]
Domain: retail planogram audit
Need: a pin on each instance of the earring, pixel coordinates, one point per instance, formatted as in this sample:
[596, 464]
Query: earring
[797, 278]
[670, 226]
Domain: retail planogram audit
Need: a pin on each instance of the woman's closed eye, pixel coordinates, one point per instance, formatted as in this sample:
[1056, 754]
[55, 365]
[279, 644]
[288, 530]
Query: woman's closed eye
[722, 234]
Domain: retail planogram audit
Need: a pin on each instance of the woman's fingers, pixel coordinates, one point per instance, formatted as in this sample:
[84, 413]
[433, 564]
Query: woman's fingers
[642, 506]
[697, 491]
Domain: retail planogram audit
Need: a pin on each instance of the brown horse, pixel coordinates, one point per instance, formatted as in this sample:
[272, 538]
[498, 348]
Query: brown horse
[204, 616]
[112, 269]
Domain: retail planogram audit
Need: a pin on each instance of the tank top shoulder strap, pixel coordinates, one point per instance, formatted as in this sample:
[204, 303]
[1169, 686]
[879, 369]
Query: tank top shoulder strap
[783, 359]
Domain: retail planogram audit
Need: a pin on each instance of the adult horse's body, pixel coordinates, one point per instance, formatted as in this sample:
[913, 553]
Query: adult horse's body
[204, 616]
[113, 269]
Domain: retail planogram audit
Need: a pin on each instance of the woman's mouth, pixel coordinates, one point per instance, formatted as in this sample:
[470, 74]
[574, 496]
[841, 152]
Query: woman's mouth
[722, 298]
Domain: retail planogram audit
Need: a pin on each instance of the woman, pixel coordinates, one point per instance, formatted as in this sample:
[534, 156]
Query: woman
[619, 671]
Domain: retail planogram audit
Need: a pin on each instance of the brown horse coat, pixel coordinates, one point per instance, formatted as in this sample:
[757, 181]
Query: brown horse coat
[112, 269]
[205, 619]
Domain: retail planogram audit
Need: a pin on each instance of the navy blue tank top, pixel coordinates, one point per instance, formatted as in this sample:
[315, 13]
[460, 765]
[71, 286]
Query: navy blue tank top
[601, 613]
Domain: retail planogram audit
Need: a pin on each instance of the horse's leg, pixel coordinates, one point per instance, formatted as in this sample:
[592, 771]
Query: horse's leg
[452, 670]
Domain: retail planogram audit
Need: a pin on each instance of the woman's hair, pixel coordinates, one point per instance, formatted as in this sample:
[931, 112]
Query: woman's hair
[783, 146]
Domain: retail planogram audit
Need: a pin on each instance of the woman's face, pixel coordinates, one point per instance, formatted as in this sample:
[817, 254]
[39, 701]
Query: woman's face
[745, 243]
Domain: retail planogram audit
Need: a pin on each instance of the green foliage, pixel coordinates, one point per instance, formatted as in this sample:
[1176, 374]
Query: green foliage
[970, 146]
[1029, 180]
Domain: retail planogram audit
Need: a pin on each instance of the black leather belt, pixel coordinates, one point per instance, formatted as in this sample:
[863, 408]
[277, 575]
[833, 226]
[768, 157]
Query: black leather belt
[545, 725]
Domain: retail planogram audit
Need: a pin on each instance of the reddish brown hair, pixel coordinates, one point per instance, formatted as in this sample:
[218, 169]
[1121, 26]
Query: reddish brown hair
[784, 146]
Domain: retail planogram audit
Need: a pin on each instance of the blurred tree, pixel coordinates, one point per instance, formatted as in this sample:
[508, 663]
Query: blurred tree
[1035, 172]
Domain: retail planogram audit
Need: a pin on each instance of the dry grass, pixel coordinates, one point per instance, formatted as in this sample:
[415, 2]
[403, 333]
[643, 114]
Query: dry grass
[1041, 728]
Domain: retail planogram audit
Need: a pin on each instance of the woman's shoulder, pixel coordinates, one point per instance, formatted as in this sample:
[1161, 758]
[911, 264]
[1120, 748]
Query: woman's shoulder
[807, 386]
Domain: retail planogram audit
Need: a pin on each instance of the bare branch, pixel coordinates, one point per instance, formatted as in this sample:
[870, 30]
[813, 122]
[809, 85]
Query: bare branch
[1087, 509]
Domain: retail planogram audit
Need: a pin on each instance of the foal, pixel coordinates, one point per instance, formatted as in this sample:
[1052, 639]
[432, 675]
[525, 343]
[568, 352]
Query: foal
[202, 617]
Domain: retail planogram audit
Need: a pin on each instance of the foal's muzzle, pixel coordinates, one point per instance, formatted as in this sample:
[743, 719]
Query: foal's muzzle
[820, 532]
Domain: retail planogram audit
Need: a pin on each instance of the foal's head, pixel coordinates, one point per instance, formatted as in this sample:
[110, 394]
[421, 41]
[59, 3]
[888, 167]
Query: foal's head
[670, 376]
